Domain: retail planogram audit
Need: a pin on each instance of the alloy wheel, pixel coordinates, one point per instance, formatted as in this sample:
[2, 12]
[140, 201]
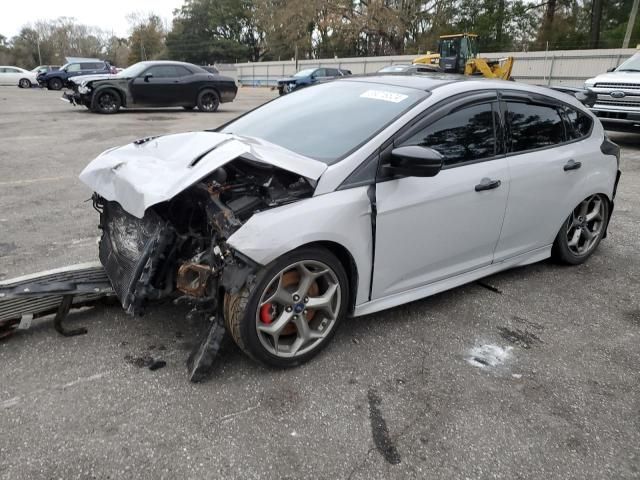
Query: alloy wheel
[585, 225]
[107, 102]
[298, 308]
[209, 102]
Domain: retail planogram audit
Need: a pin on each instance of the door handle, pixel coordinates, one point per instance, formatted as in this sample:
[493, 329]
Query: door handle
[487, 184]
[572, 165]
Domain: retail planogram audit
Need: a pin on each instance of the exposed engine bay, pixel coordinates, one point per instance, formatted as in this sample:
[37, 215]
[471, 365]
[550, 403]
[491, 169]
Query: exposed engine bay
[178, 249]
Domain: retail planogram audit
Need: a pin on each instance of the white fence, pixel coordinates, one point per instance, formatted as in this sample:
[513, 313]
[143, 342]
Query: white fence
[562, 67]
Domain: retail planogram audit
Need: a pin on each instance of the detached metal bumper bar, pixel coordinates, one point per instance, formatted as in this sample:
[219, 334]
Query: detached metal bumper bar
[53, 291]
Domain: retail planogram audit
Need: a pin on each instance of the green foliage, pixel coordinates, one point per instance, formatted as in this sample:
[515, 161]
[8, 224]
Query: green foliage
[146, 41]
[207, 31]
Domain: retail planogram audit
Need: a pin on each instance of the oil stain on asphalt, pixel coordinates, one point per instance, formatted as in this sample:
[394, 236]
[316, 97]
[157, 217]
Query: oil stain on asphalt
[379, 430]
[522, 338]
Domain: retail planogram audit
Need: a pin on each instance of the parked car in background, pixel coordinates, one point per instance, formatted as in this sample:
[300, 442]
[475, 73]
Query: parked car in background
[153, 84]
[10, 75]
[352, 197]
[410, 69]
[57, 79]
[210, 69]
[618, 96]
[309, 76]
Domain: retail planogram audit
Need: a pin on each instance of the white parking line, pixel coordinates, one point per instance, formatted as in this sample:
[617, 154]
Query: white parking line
[36, 180]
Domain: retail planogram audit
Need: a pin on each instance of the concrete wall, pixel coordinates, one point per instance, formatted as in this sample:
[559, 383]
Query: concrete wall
[562, 67]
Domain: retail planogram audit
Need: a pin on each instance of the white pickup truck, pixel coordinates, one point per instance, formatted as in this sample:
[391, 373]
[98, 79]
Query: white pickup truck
[618, 102]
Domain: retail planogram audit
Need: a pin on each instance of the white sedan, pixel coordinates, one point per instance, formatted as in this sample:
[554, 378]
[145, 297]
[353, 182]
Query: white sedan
[351, 197]
[17, 76]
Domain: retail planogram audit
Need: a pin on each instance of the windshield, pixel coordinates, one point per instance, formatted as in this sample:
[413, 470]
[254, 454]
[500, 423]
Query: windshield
[630, 65]
[64, 67]
[449, 47]
[327, 121]
[305, 73]
[134, 70]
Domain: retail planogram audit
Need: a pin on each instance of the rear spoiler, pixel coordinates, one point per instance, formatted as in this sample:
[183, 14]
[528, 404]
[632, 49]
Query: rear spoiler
[584, 95]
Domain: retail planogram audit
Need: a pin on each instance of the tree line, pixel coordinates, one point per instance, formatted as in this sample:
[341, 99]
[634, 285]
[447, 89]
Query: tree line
[210, 31]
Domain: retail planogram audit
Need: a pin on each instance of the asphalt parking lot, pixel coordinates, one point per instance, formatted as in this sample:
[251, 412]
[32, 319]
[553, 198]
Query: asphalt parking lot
[532, 373]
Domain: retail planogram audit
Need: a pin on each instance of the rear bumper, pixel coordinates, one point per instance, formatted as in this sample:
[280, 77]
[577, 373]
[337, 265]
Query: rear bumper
[228, 95]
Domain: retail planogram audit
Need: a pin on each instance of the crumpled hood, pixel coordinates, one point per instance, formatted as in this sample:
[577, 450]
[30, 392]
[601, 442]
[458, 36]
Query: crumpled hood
[89, 78]
[616, 77]
[145, 173]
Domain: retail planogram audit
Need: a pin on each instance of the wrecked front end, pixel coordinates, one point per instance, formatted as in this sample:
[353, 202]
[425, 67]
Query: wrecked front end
[178, 248]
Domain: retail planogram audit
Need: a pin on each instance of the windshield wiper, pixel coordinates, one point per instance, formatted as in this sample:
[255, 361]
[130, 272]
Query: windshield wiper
[628, 70]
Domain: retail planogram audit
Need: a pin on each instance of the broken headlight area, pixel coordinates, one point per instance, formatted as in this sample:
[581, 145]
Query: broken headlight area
[179, 248]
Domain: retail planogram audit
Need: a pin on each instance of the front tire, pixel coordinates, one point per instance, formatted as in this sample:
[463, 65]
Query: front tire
[24, 83]
[208, 101]
[292, 310]
[106, 102]
[582, 231]
[55, 84]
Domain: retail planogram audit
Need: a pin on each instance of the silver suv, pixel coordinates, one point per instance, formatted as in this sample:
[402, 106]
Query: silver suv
[618, 103]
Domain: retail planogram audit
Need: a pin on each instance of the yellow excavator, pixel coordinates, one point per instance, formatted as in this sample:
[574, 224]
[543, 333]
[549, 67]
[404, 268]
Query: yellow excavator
[459, 54]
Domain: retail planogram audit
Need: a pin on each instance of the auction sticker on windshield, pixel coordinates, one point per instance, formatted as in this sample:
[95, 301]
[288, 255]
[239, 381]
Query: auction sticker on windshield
[384, 95]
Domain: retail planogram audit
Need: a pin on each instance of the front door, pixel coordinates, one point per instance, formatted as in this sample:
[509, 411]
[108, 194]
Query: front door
[429, 229]
[157, 86]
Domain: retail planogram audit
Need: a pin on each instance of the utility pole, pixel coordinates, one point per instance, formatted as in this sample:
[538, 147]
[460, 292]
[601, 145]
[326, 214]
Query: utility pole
[38, 44]
[631, 24]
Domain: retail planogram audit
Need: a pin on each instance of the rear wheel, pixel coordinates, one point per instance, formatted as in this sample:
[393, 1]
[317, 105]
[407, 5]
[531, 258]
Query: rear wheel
[107, 101]
[581, 233]
[24, 83]
[208, 101]
[55, 84]
[292, 310]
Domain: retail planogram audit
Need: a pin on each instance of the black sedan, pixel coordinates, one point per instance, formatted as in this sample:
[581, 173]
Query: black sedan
[153, 84]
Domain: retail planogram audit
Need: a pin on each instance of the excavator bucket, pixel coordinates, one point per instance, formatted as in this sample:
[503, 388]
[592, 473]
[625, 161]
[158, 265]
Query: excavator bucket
[500, 69]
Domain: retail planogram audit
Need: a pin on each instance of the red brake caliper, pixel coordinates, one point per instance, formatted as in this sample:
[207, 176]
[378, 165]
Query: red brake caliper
[265, 313]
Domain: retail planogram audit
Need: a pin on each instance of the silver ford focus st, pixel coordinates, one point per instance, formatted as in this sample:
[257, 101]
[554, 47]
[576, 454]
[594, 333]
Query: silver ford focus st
[351, 197]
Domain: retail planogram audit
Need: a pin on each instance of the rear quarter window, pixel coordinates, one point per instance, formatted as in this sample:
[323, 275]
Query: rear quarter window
[579, 124]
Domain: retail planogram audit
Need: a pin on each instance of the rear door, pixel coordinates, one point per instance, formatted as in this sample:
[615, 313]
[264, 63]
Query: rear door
[429, 229]
[543, 151]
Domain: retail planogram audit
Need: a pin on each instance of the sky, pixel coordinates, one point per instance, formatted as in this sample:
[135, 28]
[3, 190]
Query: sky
[108, 15]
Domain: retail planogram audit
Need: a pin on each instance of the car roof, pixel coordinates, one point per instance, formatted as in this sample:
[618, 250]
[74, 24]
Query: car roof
[419, 82]
[168, 62]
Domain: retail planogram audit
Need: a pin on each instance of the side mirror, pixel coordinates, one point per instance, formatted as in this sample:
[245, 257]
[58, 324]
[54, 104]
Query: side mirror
[415, 161]
[587, 97]
[611, 69]
[148, 76]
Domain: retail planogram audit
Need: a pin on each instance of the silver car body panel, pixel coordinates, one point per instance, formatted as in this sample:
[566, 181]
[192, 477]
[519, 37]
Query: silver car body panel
[151, 171]
[342, 217]
[138, 176]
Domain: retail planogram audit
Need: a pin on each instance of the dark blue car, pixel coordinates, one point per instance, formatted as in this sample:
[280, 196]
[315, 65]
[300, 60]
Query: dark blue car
[57, 79]
[309, 76]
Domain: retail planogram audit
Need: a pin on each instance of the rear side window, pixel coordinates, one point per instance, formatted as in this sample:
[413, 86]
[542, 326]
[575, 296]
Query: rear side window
[332, 72]
[578, 124]
[465, 135]
[533, 126]
[181, 71]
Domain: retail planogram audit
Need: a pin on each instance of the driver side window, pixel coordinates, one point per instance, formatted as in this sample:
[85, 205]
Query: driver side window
[74, 67]
[466, 135]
